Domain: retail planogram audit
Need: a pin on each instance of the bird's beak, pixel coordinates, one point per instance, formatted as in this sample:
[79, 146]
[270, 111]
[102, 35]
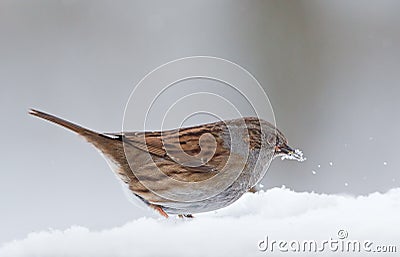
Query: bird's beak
[284, 149]
[286, 152]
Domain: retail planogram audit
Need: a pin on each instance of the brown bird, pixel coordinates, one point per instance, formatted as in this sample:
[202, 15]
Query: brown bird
[193, 169]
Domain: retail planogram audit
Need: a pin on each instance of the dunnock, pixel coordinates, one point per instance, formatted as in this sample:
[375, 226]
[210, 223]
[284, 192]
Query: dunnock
[193, 169]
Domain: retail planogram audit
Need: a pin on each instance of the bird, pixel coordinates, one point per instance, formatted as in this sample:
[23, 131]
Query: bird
[189, 170]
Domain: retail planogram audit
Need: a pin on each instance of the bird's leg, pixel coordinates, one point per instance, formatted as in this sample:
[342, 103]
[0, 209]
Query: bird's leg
[253, 190]
[190, 216]
[159, 209]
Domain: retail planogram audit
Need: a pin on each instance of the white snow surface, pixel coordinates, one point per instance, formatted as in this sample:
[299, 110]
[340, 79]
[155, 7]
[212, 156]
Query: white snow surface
[279, 214]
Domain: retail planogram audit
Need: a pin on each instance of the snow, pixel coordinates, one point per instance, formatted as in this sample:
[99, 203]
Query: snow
[279, 214]
[296, 155]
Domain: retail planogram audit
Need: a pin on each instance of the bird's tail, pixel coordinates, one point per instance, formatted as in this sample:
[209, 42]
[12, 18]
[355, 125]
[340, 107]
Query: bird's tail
[64, 123]
[109, 145]
[97, 139]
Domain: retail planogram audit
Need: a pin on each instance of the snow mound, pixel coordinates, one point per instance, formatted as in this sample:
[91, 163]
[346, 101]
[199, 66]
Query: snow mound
[242, 229]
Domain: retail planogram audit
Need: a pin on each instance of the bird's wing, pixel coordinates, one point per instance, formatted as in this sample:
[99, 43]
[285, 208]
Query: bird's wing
[193, 154]
[196, 154]
[148, 142]
[195, 149]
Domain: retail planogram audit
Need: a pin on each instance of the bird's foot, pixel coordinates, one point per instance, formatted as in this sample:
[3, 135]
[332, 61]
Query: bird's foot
[253, 190]
[159, 209]
[190, 216]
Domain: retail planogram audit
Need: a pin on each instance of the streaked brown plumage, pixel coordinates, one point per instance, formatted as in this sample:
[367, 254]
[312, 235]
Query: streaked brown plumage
[210, 153]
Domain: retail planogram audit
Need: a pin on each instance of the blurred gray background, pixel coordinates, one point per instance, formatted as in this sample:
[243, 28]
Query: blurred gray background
[330, 68]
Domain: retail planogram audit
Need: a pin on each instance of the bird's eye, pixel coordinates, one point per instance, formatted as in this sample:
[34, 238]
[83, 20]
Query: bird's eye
[271, 139]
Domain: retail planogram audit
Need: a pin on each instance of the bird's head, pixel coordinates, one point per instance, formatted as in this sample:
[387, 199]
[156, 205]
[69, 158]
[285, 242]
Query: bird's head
[278, 142]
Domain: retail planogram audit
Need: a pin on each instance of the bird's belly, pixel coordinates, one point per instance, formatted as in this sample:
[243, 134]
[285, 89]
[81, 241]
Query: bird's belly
[249, 177]
[219, 201]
